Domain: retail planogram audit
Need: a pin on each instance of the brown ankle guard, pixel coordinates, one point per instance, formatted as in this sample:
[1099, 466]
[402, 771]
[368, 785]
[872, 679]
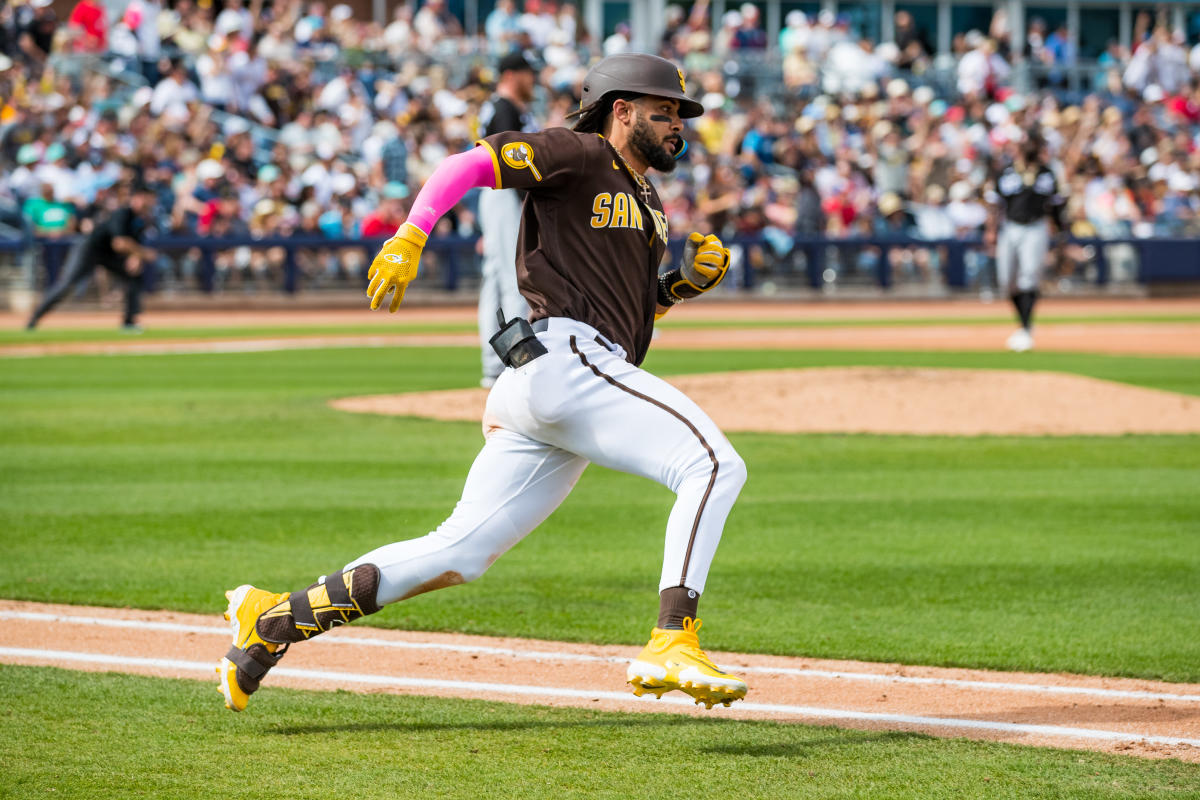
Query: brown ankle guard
[334, 600]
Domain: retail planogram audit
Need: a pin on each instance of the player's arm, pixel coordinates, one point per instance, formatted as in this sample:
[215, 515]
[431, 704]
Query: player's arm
[128, 246]
[396, 264]
[705, 262]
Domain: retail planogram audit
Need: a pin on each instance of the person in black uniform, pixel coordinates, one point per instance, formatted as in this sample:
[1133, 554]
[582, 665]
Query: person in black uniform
[116, 245]
[1027, 192]
[500, 211]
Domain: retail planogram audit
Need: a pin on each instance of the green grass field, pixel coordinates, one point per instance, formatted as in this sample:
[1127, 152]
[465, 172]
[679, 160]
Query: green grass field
[137, 480]
[141, 737]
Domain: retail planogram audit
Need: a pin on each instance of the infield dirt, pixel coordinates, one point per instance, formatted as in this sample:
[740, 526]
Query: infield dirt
[1142, 718]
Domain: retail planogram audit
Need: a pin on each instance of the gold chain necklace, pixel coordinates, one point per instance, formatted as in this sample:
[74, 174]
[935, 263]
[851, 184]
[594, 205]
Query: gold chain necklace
[637, 177]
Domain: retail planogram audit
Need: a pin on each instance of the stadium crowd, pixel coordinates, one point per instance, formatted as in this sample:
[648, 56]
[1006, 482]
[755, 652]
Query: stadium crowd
[294, 118]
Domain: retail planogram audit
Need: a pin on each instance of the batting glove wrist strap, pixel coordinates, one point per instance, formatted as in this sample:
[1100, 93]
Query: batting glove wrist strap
[396, 265]
[705, 262]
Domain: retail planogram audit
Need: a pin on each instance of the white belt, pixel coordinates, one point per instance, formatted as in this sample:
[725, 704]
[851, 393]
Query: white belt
[565, 326]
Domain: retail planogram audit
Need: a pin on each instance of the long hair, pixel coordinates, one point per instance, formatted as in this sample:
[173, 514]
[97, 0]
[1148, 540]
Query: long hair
[591, 118]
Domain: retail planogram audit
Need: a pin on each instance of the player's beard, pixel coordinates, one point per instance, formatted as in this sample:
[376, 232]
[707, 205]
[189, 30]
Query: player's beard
[647, 144]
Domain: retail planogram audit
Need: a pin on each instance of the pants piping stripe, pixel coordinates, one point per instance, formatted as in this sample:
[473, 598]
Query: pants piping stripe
[687, 557]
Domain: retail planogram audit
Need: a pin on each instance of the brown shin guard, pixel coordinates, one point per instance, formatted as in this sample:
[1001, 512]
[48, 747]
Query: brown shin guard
[334, 600]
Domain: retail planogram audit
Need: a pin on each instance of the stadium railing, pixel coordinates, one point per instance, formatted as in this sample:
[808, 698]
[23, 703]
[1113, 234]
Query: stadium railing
[799, 262]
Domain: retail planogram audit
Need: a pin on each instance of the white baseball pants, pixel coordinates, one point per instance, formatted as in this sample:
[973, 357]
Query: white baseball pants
[1020, 255]
[579, 403]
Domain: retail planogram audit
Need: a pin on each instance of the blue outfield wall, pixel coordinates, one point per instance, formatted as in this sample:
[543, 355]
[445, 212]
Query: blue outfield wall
[1159, 260]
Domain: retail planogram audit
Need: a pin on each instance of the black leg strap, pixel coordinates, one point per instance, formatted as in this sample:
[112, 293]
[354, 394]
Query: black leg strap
[339, 597]
[254, 662]
[302, 611]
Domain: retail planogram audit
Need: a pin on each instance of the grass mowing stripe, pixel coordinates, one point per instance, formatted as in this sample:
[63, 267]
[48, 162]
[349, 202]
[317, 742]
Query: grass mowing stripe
[130, 736]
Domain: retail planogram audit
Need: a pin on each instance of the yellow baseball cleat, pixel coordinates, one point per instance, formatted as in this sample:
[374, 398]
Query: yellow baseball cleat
[672, 659]
[247, 662]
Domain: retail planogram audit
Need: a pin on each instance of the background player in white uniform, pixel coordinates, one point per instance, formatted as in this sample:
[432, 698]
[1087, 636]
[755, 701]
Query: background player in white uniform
[500, 211]
[593, 233]
[1028, 194]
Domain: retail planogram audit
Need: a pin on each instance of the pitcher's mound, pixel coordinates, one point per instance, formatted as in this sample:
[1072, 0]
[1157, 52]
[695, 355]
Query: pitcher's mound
[958, 402]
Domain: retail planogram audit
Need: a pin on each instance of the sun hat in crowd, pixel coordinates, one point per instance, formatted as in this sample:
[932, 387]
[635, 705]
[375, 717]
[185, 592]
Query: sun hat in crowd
[889, 203]
[343, 183]
[209, 170]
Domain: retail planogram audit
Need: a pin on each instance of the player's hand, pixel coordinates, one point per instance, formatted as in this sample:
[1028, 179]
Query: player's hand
[705, 261]
[395, 266]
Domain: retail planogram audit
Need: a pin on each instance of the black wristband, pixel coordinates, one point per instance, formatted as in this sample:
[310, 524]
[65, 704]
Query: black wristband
[665, 282]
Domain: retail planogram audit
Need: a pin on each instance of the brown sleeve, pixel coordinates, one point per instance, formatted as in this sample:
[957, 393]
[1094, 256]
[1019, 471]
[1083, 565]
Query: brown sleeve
[535, 161]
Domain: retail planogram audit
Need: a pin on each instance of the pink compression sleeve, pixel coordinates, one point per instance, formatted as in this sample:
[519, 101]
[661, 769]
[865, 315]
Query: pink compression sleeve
[449, 182]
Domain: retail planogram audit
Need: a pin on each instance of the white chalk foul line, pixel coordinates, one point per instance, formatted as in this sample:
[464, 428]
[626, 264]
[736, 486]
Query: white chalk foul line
[519, 690]
[542, 655]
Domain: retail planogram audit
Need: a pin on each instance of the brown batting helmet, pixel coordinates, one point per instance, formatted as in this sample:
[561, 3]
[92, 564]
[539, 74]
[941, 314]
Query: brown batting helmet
[641, 74]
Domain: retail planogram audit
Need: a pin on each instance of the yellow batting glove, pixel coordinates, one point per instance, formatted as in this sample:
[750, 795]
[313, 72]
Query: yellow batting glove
[705, 262]
[395, 266]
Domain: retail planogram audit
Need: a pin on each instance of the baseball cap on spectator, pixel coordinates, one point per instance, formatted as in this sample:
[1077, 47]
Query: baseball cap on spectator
[395, 190]
[55, 151]
[340, 13]
[922, 95]
[1153, 93]
[28, 154]
[235, 125]
[805, 124]
[514, 62]
[732, 19]
[1015, 102]
[888, 51]
[5, 63]
[796, 19]
[325, 151]
[996, 114]
[268, 173]
[342, 183]
[937, 108]
[1149, 156]
[897, 87]
[40, 3]
[960, 191]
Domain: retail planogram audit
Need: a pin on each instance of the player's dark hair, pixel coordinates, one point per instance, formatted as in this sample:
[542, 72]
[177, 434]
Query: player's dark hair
[591, 119]
[1031, 150]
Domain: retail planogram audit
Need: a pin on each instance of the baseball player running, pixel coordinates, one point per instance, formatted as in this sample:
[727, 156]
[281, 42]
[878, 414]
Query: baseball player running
[592, 235]
[1028, 193]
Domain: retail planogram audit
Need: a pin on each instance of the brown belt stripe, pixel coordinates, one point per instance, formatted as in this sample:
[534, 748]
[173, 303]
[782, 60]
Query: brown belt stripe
[687, 557]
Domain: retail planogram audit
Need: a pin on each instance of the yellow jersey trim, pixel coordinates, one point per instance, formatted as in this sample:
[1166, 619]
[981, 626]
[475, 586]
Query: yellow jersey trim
[495, 160]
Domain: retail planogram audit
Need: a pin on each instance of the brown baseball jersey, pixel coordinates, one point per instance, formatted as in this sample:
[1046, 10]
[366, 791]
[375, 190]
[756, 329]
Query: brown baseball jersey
[592, 235]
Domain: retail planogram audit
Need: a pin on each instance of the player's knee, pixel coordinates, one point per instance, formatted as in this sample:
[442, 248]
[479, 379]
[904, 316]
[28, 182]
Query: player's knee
[732, 470]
